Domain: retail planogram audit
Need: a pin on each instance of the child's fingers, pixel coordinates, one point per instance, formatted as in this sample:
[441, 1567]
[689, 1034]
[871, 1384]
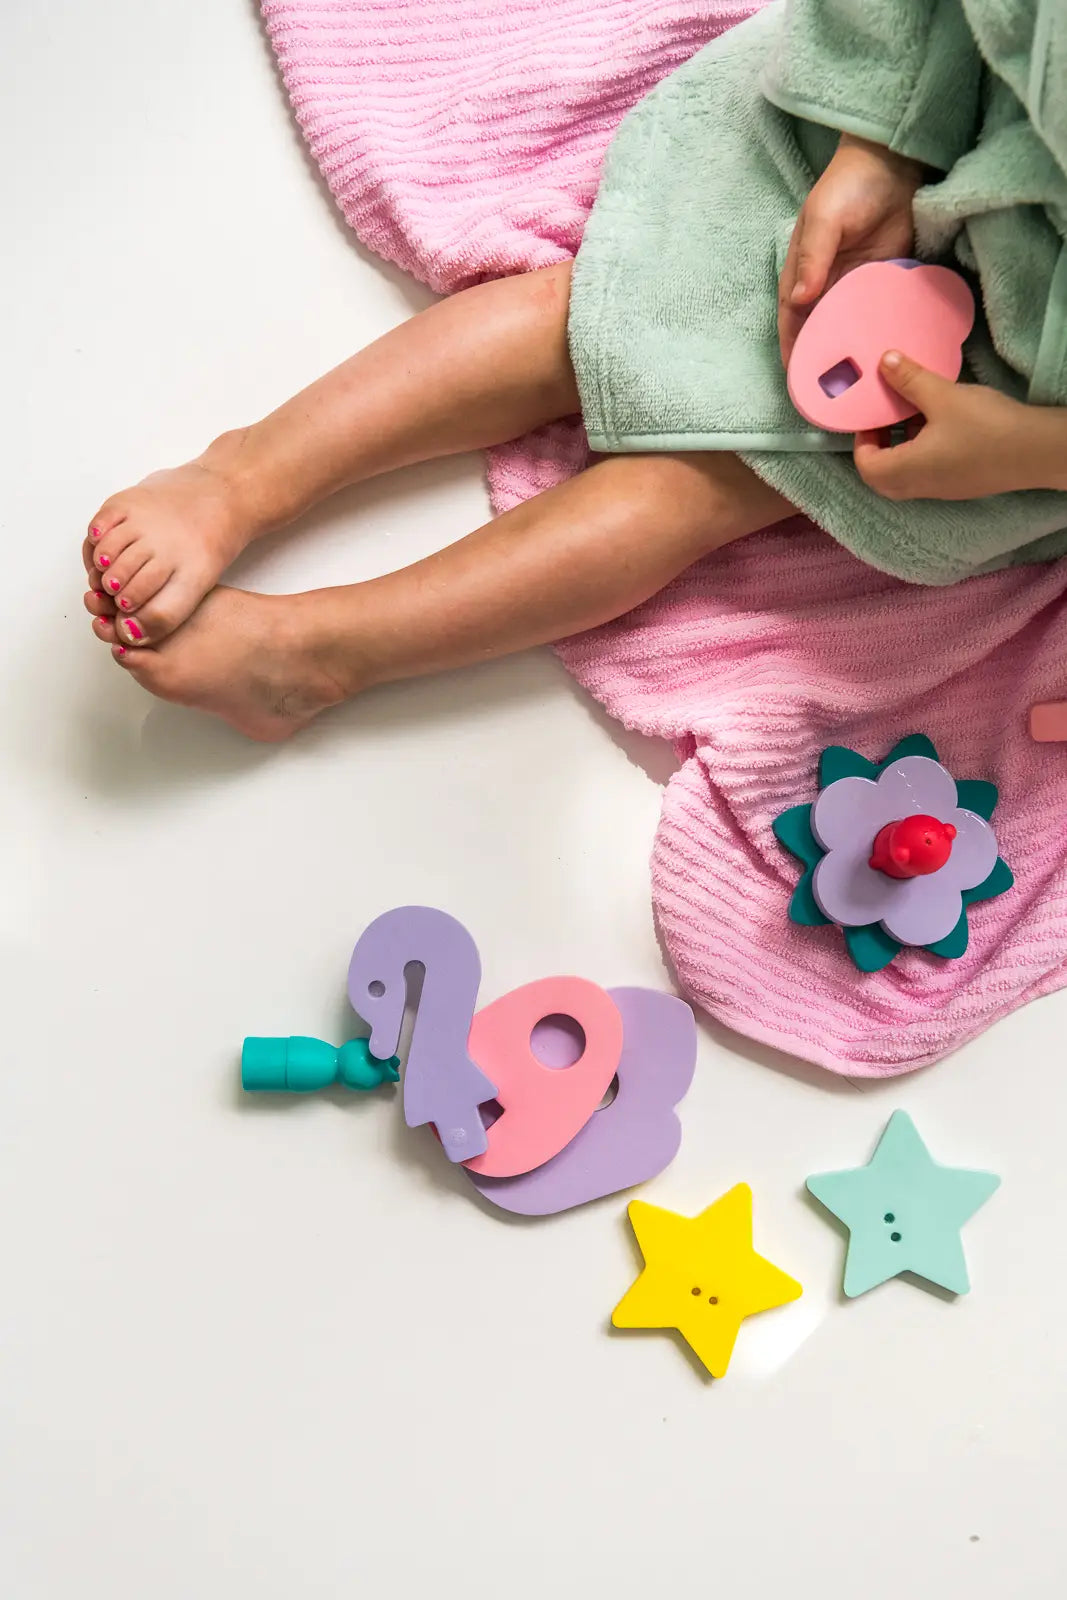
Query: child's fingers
[926, 390]
[895, 473]
[790, 322]
[882, 438]
[817, 246]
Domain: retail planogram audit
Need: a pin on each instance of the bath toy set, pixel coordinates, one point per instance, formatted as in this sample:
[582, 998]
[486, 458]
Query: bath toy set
[519, 1095]
[562, 1092]
[513, 1091]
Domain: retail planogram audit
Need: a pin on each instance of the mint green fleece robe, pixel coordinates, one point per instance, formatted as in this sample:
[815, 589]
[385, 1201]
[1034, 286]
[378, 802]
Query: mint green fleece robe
[673, 311]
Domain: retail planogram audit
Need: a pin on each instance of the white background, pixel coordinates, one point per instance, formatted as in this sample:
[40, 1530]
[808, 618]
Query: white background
[278, 1350]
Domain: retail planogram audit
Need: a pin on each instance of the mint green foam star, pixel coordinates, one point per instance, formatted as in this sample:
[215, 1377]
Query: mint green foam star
[903, 1211]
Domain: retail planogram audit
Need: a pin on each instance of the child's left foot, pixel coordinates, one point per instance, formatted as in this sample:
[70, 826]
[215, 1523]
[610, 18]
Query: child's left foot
[248, 658]
[154, 551]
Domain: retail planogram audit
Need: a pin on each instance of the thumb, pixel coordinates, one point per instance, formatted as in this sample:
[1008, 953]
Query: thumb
[922, 387]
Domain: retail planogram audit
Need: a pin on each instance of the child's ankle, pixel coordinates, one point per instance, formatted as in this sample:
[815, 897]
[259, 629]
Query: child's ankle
[333, 639]
[233, 458]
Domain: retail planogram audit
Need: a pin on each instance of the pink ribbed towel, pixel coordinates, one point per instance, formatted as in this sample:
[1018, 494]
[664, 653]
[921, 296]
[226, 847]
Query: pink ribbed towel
[462, 139]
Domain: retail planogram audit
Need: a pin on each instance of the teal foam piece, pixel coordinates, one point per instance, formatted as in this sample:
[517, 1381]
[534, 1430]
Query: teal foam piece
[301, 1065]
[975, 794]
[838, 761]
[904, 1212]
[1000, 880]
[913, 744]
[793, 830]
[803, 907]
[870, 947]
[954, 944]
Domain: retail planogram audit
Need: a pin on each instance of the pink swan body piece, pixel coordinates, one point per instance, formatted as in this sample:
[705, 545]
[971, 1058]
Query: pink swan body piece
[543, 1107]
[636, 1135]
[833, 377]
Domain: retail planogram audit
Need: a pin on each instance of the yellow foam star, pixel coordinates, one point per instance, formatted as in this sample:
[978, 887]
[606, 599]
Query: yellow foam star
[702, 1276]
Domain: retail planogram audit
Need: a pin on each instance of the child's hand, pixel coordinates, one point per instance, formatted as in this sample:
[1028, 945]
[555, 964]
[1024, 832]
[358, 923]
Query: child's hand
[859, 210]
[974, 441]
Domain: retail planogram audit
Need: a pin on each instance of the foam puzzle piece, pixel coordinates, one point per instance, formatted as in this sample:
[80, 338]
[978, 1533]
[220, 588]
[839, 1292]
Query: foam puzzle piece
[300, 1065]
[870, 946]
[903, 1212]
[702, 1276]
[632, 1139]
[442, 1085]
[846, 821]
[1048, 721]
[542, 1107]
[833, 376]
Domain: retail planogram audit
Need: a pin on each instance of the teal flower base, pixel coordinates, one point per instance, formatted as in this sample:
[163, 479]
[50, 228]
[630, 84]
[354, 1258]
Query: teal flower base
[870, 947]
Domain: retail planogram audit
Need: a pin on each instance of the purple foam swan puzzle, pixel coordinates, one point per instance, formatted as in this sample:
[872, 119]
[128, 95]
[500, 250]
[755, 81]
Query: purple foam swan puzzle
[532, 1124]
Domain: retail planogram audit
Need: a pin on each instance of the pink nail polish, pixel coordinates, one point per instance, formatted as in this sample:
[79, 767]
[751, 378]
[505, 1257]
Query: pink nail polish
[122, 649]
[94, 533]
[114, 585]
[103, 561]
[124, 603]
[133, 630]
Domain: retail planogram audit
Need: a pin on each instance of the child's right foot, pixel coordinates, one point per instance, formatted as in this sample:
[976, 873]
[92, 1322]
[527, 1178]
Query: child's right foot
[156, 550]
[262, 662]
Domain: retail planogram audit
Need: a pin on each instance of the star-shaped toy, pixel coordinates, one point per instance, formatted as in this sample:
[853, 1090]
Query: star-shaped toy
[903, 1212]
[701, 1276]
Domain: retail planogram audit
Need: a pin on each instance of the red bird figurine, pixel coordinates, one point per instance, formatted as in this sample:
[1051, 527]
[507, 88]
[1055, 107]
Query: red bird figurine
[913, 847]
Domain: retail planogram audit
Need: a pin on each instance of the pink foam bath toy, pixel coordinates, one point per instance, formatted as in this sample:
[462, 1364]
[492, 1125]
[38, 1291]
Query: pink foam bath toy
[636, 1135]
[542, 1107]
[833, 376]
[1048, 722]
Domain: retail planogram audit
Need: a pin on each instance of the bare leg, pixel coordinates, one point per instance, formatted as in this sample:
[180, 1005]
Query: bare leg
[475, 370]
[566, 560]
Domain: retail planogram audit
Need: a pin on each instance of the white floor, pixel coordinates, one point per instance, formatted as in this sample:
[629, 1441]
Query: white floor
[277, 1351]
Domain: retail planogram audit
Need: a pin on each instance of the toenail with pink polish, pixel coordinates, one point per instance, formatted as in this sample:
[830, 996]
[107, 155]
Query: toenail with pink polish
[122, 649]
[124, 603]
[104, 561]
[133, 630]
[94, 533]
[114, 584]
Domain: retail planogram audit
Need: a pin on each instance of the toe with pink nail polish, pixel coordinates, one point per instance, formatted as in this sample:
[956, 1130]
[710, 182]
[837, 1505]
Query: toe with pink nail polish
[125, 604]
[114, 585]
[133, 630]
[103, 561]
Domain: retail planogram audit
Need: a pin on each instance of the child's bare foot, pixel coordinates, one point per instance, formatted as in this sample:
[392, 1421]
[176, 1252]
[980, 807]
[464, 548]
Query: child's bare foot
[154, 551]
[254, 660]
